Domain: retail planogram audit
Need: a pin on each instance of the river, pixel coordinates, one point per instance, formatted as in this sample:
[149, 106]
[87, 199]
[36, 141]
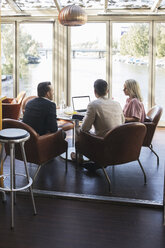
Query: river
[85, 71]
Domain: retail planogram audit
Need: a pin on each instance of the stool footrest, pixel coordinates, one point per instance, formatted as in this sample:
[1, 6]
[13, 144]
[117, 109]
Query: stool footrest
[17, 189]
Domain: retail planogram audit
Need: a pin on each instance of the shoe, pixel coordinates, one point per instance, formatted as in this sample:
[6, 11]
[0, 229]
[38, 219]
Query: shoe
[79, 159]
[73, 156]
[90, 166]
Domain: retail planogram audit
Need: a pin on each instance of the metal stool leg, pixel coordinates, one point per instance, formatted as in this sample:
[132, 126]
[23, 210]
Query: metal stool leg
[27, 173]
[1, 163]
[14, 178]
[11, 183]
[1, 170]
[1, 154]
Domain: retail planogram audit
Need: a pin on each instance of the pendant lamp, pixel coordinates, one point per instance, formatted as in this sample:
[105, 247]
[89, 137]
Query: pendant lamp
[72, 15]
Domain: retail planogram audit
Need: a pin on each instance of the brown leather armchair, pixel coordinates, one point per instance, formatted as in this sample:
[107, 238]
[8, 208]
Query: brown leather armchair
[151, 122]
[11, 107]
[39, 149]
[120, 145]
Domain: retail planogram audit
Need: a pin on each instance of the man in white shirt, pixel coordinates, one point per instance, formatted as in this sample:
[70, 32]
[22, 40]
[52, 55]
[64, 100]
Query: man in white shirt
[103, 113]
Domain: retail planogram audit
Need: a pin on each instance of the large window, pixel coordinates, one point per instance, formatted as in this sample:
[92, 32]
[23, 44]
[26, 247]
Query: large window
[130, 59]
[160, 67]
[88, 46]
[31, 63]
[35, 55]
[7, 59]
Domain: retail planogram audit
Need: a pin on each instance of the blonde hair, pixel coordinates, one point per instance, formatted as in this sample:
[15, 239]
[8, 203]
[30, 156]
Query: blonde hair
[133, 89]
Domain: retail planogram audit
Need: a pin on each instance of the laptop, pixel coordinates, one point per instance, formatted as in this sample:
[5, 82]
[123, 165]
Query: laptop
[80, 104]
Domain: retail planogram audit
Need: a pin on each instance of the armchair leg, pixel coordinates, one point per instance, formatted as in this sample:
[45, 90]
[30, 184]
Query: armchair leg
[151, 148]
[108, 179]
[77, 159]
[145, 178]
[3, 196]
[66, 160]
[36, 173]
[73, 137]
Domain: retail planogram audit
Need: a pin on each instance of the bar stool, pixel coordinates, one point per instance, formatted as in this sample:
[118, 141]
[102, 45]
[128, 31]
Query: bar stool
[12, 136]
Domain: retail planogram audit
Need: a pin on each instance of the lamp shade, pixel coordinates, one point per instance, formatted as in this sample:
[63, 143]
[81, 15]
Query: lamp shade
[72, 15]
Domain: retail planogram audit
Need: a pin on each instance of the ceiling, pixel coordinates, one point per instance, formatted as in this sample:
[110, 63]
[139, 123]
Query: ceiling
[46, 7]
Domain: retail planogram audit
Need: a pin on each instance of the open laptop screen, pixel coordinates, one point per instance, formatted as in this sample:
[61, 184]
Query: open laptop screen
[80, 103]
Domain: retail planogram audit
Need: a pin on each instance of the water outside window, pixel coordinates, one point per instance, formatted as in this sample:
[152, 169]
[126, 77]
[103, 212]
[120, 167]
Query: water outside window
[130, 58]
[160, 67]
[7, 59]
[88, 63]
[35, 56]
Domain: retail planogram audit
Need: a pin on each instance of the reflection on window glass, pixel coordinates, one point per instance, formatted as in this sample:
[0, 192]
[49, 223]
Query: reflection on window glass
[160, 67]
[130, 58]
[7, 59]
[35, 56]
[88, 45]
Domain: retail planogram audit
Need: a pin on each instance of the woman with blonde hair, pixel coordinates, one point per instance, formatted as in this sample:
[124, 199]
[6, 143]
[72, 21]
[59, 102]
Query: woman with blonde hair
[134, 108]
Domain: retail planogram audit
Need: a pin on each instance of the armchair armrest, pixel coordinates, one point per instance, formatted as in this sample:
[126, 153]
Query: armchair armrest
[148, 119]
[89, 137]
[149, 134]
[7, 100]
[90, 145]
[51, 145]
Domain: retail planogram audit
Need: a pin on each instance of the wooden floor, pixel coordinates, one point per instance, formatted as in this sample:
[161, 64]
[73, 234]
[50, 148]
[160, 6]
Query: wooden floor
[70, 215]
[127, 180]
[77, 224]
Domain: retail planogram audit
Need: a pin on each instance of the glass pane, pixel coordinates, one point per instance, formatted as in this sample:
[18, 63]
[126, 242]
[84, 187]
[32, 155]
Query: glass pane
[88, 44]
[35, 56]
[132, 4]
[160, 67]
[30, 4]
[130, 58]
[7, 59]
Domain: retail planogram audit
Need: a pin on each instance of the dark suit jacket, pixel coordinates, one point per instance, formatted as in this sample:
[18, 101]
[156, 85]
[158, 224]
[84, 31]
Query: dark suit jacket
[40, 114]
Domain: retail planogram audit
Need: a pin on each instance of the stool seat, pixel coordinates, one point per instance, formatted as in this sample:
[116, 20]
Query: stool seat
[13, 133]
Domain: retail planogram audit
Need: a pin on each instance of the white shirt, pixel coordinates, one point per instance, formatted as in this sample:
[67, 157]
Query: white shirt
[104, 114]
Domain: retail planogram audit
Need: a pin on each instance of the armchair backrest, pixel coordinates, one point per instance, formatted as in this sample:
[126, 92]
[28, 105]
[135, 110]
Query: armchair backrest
[120, 145]
[123, 143]
[11, 107]
[153, 115]
[20, 97]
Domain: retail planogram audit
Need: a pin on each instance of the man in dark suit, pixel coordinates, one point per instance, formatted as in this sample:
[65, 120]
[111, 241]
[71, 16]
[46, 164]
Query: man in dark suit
[40, 113]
